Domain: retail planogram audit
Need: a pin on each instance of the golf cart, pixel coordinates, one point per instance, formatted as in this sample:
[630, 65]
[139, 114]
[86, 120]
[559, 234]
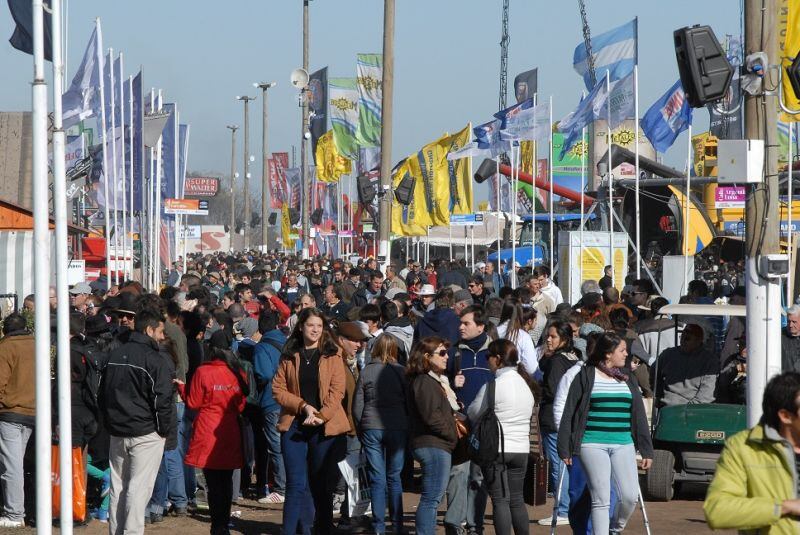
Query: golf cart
[688, 439]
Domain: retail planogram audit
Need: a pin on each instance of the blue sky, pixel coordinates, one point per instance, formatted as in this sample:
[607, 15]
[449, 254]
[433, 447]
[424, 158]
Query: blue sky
[204, 53]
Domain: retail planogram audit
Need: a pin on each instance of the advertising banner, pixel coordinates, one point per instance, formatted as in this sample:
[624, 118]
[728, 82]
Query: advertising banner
[198, 186]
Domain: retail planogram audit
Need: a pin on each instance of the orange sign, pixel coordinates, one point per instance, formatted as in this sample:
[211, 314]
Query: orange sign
[185, 206]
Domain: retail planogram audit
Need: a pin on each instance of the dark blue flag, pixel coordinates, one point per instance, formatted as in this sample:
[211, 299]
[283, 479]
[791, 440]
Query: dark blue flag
[22, 38]
[667, 117]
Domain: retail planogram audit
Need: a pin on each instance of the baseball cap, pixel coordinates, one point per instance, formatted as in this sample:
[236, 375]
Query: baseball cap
[80, 288]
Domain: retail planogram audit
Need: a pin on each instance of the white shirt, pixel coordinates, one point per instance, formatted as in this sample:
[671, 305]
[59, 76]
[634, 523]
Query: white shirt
[513, 406]
[553, 292]
[563, 390]
[525, 347]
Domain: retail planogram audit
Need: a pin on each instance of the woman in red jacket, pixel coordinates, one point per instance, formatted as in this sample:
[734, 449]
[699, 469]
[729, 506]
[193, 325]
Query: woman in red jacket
[217, 391]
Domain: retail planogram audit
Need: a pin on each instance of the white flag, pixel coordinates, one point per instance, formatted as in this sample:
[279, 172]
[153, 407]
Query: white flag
[530, 124]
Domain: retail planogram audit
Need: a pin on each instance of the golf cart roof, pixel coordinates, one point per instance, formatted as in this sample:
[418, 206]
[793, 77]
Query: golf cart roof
[704, 310]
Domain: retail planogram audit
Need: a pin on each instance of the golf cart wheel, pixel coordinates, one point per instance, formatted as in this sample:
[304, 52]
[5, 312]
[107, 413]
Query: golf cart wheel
[661, 476]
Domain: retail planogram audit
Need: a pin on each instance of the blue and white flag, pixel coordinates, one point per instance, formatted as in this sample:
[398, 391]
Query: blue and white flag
[183, 148]
[488, 137]
[621, 101]
[667, 117]
[529, 124]
[591, 107]
[510, 113]
[615, 51]
[83, 94]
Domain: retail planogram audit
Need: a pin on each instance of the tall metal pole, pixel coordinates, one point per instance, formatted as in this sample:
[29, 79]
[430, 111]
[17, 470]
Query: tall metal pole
[264, 165]
[762, 225]
[41, 276]
[233, 128]
[386, 132]
[62, 285]
[246, 101]
[306, 189]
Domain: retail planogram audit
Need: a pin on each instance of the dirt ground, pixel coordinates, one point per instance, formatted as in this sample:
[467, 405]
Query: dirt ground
[683, 515]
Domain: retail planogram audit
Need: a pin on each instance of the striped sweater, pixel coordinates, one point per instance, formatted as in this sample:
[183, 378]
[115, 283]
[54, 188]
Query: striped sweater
[609, 413]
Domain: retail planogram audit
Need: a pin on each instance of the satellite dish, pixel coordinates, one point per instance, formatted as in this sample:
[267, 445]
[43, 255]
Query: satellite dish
[299, 78]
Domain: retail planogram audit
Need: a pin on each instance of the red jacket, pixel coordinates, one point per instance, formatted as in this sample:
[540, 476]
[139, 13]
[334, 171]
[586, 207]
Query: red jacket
[216, 437]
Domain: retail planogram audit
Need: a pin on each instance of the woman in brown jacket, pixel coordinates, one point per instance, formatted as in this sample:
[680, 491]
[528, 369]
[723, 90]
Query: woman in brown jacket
[310, 386]
[432, 405]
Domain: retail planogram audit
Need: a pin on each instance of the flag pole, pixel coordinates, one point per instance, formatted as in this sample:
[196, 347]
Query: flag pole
[499, 231]
[790, 243]
[584, 149]
[130, 196]
[514, 164]
[609, 175]
[550, 159]
[41, 274]
[114, 163]
[636, 141]
[150, 203]
[62, 262]
[157, 207]
[687, 205]
[104, 138]
[126, 274]
[176, 143]
[472, 228]
[533, 189]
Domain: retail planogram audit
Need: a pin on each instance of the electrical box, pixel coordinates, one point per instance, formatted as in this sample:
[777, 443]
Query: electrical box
[774, 266]
[740, 161]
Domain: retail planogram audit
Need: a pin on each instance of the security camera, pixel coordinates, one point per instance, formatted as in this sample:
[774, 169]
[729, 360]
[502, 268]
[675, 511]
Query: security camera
[307, 135]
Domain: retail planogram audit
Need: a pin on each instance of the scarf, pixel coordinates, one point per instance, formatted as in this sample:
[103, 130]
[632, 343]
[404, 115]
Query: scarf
[616, 373]
[445, 382]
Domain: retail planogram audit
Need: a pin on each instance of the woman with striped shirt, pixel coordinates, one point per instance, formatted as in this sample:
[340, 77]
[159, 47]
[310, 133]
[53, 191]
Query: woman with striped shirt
[604, 423]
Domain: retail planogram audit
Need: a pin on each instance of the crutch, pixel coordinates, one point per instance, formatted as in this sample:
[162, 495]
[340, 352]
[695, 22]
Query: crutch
[557, 498]
[644, 513]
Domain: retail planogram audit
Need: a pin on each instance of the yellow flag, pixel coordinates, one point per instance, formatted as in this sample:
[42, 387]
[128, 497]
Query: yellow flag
[458, 173]
[526, 156]
[404, 217]
[789, 45]
[432, 189]
[330, 164]
[286, 227]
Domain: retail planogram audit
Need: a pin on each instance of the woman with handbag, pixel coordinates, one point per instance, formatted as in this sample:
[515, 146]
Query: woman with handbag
[513, 407]
[432, 409]
[218, 392]
[310, 386]
[380, 414]
[604, 423]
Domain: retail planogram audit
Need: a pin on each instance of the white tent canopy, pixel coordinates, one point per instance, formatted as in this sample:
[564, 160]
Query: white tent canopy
[485, 233]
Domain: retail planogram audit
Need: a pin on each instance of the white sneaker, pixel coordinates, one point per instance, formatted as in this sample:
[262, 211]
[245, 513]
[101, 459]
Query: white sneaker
[272, 497]
[8, 523]
[561, 521]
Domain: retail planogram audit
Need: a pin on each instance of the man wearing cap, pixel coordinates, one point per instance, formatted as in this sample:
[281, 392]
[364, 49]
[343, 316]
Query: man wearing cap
[425, 296]
[214, 286]
[78, 295]
[687, 374]
[351, 339]
[462, 299]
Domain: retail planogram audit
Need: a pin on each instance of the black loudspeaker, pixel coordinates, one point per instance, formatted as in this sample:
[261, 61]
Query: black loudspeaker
[404, 192]
[316, 216]
[486, 171]
[366, 189]
[705, 71]
[793, 72]
[273, 218]
[294, 216]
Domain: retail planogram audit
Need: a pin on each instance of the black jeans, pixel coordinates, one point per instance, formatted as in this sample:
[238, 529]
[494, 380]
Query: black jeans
[220, 495]
[506, 482]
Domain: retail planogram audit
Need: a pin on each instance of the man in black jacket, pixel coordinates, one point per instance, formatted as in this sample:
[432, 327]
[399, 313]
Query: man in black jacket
[374, 289]
[137, 402]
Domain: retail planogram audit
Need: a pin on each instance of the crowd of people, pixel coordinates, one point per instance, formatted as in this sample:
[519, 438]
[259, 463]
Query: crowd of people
[257, 375]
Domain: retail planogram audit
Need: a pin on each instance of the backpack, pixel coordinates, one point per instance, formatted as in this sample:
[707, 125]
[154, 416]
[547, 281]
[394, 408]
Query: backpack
[253, 394]
[96, 362]
[485, 440]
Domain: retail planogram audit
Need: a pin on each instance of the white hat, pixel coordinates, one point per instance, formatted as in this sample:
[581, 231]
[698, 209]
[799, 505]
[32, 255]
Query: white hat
[427, 289]
[480, 265]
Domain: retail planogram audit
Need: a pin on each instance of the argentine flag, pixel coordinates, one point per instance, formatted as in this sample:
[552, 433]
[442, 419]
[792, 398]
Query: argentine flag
[615, 51]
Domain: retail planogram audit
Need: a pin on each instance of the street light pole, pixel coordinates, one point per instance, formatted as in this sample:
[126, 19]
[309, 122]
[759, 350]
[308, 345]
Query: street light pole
[232, 229]
[264, 165]
[306, 196]
[246, 101]
[386, 133]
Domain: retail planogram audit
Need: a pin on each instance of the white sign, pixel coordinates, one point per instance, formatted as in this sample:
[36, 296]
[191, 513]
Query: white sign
[192, 232]
[465, 220]
[76, 272]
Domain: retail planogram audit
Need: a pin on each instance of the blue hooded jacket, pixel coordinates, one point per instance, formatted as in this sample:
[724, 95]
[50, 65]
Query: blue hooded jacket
[442, 322]
[265, 362]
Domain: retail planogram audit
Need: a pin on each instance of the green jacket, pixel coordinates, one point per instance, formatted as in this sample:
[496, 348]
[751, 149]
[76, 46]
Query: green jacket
[755, 473]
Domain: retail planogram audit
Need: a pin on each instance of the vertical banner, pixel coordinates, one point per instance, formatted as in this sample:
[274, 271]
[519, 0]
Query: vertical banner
[526, 84]
[137, 182]
[293, 187]
[277, 184]
[459, 182]
[370, 99]
[343, 106]
[168, 157]
[318, 105]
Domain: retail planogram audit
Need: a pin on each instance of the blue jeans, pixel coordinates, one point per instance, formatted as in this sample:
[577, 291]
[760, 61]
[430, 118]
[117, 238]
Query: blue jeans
[435, 465]
[273, 437]
[466, 497]
[13, 441]
[385, 453]
[311, 461]
[169, 484]
[185, 423]
[580, 500]
[551, 452]
[602, 462]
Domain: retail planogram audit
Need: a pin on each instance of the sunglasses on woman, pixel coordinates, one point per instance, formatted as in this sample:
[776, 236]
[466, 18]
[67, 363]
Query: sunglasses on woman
[441, 353]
